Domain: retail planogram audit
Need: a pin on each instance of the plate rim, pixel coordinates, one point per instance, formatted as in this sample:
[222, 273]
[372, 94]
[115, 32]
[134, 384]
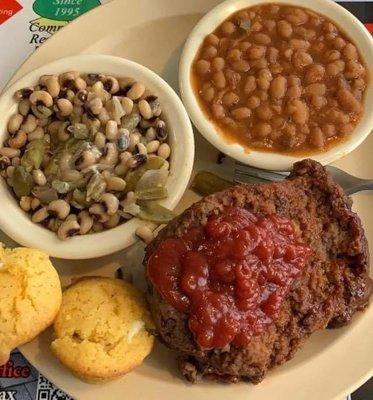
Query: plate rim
[364, 377]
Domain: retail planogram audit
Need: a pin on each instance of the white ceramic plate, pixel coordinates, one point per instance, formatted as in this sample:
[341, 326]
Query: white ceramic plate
[331, 364]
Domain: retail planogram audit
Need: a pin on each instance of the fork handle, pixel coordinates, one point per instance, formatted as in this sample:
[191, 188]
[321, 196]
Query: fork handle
[364, 184]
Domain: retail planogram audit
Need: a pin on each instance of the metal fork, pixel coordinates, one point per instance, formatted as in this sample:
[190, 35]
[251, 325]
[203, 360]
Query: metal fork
[350, 184]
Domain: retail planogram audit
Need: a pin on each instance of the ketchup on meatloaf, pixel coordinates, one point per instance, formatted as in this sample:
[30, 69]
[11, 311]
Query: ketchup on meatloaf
[243, 277]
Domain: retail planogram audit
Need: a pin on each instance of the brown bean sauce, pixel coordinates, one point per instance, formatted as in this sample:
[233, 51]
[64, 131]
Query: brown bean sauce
[280, 78]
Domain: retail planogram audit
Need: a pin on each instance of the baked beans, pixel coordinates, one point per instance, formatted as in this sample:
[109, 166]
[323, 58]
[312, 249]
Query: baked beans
[280, 78]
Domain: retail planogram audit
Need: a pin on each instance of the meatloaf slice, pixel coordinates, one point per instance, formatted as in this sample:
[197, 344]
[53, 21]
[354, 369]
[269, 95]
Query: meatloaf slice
[333, 286]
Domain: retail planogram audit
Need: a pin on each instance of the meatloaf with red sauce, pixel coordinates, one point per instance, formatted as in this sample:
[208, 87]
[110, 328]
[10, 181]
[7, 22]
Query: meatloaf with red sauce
[330, 282]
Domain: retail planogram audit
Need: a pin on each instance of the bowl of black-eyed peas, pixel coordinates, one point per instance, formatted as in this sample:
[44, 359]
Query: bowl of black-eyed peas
[95, 151]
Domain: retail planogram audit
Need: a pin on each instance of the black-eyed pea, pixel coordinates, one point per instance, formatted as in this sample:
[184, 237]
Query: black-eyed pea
[115, 184]
[164, 151]
[59, 208]
[110, 154]
[284, 29]
[10, 171]
[121, 169]
[63, 133]
[15, 122]
[95, 105]
[39, 177]
[127, 105]
[68, 229]
[218, 111]
[241, 113]
[230, 98]
[64, 107]
[24, 107]
[112, 222]
[227, 28]
[100, 140]
[278, 87]
[317, 138]
[145, 109]
[35, 203]
[30, 124]
[110, 202]
[144, 233]
[111, 130]
[85, 222]
[37, 133]
[111, 84]
[40, 215]
[15, 161]
[53, 86]
[103, 117]
[150, 134]
[349, 52]
[152, 146]
[25, 203]
[9, 152]
[253, 102]
[41, 97]
[136, 91]
[18, 140]
[219, 80]
[203, 67]
[134, 140]
[141, 148]
[97, 210]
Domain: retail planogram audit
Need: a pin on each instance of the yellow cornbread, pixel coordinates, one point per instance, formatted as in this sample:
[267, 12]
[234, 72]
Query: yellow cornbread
[30, 296]
[101, 329]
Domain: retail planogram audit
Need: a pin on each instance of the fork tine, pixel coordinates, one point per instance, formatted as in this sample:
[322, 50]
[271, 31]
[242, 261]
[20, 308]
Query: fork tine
[242, 170]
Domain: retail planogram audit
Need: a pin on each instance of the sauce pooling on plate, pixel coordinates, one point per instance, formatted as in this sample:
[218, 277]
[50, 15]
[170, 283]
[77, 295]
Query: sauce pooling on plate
[280, 78]
[230, 276]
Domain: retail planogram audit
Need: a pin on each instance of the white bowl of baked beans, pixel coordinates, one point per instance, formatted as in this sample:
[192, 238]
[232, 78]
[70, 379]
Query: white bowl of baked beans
[95, 151]
[269, 84]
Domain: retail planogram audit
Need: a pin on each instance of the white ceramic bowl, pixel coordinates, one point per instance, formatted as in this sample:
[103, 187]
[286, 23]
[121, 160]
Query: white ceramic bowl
[350, 25]
[17, 224]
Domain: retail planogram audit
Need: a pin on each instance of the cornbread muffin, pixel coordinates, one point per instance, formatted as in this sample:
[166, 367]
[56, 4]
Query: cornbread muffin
[101, 329]
[30, 296]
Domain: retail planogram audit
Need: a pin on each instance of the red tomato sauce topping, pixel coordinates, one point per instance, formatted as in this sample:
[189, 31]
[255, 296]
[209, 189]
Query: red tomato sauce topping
[230, 276]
